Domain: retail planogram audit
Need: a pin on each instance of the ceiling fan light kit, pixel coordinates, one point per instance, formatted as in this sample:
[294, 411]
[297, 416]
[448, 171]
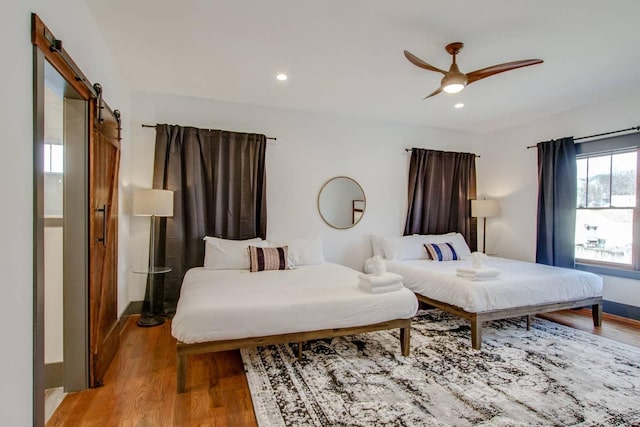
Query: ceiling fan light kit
[453, 87]
[454, 80]
[453, 83]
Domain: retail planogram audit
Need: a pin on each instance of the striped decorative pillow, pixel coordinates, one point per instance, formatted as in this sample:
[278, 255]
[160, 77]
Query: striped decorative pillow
[263, 259]
[441, 251]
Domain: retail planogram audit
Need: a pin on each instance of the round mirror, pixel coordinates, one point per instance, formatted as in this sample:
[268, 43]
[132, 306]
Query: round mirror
[341, 202]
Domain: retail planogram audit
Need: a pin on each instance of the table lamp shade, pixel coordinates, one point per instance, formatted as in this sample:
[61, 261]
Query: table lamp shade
[484, 208]
[150, 202]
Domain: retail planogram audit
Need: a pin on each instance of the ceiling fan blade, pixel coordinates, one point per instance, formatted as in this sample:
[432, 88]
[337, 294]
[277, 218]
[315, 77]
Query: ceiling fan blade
[420, 63]
[437, 91]
[474, 76]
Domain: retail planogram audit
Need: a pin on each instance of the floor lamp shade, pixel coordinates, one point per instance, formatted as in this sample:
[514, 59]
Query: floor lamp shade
[153, 202]
[484, 209]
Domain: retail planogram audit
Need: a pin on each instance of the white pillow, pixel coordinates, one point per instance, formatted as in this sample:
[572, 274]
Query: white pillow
[303, 250]
[223, 254]
[377, 245]
[412, 247]
[404, 248]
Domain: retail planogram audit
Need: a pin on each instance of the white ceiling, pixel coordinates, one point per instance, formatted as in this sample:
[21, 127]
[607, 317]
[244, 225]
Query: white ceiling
[345, 56]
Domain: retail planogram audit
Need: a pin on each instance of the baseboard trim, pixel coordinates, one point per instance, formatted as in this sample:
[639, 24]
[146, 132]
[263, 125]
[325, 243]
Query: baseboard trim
[622, 310]
[53, 375]
[134, 307]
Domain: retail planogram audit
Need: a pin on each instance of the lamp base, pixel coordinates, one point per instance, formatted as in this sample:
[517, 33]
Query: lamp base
[148, 321]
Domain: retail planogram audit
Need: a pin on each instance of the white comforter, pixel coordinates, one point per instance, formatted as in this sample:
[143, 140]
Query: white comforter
[232, 304]
[519, 283]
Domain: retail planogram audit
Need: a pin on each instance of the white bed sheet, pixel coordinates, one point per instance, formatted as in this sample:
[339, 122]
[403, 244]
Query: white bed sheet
[519, 284]
[233, 304]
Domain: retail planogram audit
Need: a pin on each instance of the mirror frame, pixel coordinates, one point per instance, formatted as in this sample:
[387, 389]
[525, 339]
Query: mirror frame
[364, 199]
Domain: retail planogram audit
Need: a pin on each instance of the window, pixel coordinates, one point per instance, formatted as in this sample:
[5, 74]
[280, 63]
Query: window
[607, 212]
[53, 158]
[53, 149]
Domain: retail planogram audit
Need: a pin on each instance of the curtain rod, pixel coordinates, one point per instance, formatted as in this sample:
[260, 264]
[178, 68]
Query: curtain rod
[153, 126]
[409, 149]
[636, 128]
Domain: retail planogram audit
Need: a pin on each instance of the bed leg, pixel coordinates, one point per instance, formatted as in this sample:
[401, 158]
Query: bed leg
[181, 372]
[300, 351]
[476, 334]
[529, 318]
[596, 313]
[405, 340]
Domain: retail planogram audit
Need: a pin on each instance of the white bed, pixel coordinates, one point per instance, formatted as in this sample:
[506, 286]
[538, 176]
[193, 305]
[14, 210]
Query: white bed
[522, 289]
[228, 309]
[519, 283]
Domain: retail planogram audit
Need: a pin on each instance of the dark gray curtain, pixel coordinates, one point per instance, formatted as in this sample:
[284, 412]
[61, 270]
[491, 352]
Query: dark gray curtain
[441, 187]
[219, 185]
[557, 194]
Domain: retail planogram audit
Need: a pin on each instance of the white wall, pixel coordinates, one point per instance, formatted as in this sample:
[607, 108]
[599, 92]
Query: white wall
[310, 149]
[70, 21]
[508, 172]
[53, 304]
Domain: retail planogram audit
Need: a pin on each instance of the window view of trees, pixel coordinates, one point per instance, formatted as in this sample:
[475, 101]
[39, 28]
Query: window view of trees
[606, 206]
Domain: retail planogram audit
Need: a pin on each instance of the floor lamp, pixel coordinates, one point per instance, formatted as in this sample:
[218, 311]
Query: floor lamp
[484, 209]
[153, 203]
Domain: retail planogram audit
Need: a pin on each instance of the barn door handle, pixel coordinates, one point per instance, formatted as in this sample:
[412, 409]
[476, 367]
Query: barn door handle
[103, 239]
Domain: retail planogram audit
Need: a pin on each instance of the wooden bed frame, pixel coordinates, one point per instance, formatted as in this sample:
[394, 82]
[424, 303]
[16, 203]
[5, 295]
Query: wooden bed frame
[183, 350]
[529, 310]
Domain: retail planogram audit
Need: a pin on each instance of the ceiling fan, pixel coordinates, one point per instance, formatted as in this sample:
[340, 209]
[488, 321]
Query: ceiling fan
[454, 80]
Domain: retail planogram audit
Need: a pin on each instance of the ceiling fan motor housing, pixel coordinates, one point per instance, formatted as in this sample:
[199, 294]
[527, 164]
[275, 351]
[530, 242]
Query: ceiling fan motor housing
[454, 81]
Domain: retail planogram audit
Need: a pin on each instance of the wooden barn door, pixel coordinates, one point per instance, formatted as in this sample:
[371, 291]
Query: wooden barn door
[104, 161]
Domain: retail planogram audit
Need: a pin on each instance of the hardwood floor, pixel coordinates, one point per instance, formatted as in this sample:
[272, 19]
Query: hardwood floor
[140, 384]
[140, 388]
[613, 327]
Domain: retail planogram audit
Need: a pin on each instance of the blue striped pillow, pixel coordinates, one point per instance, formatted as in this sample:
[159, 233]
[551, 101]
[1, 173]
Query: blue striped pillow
[441, 251]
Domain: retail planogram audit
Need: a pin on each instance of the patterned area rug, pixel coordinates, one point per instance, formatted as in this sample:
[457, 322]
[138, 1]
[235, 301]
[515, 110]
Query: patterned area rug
[549, 376]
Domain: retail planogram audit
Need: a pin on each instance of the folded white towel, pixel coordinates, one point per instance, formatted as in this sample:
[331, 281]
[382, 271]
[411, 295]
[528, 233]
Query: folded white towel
[476, 278]
[385, 279]
[368, 285]
[380, 289]
[479, 272]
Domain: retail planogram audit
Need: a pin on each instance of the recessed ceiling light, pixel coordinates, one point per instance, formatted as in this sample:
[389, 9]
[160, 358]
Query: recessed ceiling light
[459, 105]
[281, 77]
